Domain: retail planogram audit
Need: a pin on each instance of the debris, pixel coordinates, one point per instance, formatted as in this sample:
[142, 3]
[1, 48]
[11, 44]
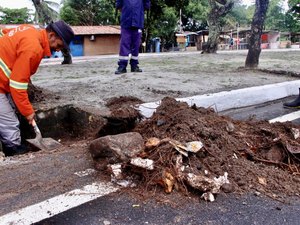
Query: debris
[207, 185]
[116, 171]
[85, 172]
[168, 180]
[179, 147]
[124, 183]
[208, 196]
[181, 162]
[295, 132]
[257, 193]
[106, 222]
[179, 167]
[294, 149]
[262, 181]
[152, 142]
[230, 127]
[194, 146]
[144, 163]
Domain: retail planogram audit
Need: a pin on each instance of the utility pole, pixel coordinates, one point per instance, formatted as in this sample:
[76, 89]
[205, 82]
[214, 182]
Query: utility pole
[237, 36]
[180, 21]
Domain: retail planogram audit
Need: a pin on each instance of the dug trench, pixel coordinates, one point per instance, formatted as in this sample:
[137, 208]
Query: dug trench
[259, 157]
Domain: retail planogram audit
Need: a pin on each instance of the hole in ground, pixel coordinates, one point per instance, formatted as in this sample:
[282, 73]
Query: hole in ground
[68, 124]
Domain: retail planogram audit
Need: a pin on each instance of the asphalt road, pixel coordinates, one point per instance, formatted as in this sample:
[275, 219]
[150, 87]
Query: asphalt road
[228, 209]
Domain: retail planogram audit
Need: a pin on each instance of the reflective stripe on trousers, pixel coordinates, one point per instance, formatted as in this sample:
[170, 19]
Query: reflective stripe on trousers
[9, 124]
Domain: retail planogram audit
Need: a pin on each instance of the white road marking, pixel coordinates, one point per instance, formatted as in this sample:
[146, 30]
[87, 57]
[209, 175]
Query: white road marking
[58, 204]
[288, 117]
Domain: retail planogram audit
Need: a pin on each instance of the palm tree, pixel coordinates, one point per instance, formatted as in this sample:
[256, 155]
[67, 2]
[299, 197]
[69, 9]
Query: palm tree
[46, 11]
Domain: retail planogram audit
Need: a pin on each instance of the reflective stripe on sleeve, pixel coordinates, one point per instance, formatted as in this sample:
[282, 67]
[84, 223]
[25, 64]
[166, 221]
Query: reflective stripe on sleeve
[5, 68]
[18, 85]
[1, 33]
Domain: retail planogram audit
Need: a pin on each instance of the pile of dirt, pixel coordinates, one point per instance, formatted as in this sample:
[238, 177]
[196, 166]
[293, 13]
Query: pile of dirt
[121, 107]
[37, 94]
[258, 156]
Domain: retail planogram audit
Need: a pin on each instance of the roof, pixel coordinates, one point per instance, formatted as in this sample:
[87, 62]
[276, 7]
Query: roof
[90, 30]
[185, 33]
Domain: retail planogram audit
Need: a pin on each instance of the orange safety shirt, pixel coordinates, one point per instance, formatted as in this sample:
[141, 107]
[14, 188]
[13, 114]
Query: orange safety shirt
[21, 51]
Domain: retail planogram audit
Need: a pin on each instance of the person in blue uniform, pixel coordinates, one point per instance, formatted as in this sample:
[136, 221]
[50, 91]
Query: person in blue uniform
[132, 23]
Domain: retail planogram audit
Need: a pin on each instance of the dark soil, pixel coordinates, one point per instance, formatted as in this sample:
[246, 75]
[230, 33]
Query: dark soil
[121, 107]
[37, 94]
[256, 154]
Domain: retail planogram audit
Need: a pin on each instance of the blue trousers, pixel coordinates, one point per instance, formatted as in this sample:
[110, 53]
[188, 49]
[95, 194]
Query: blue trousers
[129, 44]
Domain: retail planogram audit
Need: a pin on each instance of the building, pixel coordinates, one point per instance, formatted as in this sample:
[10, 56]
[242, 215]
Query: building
[95, 40]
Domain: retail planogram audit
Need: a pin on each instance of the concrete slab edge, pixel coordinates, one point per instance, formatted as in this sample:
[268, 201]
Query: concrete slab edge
[233, 99]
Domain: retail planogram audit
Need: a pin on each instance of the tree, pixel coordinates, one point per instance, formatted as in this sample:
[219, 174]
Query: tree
[165, 28]
[292, 18]
[195, 15]
[89, 12]
[15, 16]
[261, 8]
[294, 8]
[153, 19]
[240, 14]
[275, 18]
[219, 8]
[46, 11]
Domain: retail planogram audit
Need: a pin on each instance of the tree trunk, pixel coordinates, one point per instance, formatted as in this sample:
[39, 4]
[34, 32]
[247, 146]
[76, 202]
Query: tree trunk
[214, 32]
[256, 31]
[218, 10]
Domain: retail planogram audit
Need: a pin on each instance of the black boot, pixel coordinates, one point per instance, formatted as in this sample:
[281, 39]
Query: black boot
[120, 70]
[294, 104]
[136, 69]
[15, 150]
[67, 57]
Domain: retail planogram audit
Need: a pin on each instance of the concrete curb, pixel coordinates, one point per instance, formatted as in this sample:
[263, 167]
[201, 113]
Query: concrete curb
[233, 99]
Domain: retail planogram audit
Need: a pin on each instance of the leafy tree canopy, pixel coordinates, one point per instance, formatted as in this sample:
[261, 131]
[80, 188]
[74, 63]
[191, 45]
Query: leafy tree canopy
[15, 16]
[88, 12]
[275, 18]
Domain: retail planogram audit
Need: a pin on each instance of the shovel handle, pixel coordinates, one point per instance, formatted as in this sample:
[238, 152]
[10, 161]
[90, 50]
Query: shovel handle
[35, 127]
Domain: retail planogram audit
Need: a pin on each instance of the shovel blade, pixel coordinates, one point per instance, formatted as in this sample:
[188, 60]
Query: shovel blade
[44, 143]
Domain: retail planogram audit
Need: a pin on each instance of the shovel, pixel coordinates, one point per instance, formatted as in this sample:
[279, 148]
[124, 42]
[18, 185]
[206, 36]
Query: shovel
[42, 143]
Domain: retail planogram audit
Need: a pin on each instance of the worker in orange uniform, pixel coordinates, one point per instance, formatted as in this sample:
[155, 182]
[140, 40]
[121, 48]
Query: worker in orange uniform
[21, 51]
